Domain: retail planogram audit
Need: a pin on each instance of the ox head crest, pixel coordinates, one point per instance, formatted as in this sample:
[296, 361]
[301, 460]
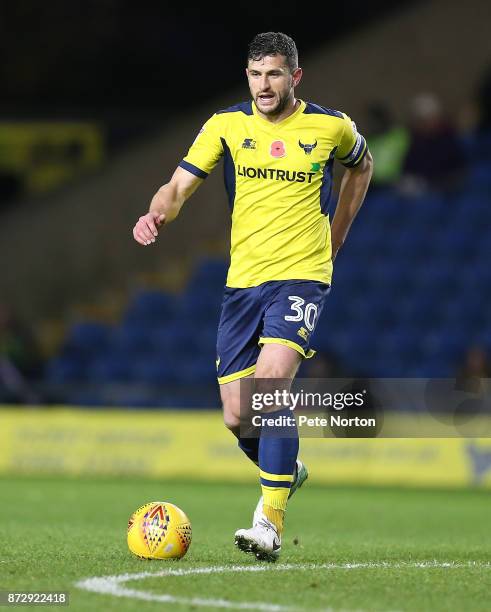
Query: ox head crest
[308, 148]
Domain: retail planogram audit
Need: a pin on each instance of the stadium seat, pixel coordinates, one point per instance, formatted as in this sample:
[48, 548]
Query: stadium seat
[480, 174]
[201, 304]
[132, 337]
[110, 367]
[62, 369]
[154, 369]
[87, 338]
[149, 309]
[209, 273]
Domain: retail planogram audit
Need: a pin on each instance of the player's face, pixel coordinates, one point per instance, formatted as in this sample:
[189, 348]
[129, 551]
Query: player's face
[271, 83]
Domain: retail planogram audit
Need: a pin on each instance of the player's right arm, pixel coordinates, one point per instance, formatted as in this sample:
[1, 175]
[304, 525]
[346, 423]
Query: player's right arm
[202, 157]
[165, 205]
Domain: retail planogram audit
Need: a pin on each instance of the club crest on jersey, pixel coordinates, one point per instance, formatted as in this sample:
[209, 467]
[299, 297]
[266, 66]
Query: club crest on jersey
[278, 148]
[307, 148]
[249, 143]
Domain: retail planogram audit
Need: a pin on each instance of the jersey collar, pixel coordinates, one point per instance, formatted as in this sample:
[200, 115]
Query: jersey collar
[296, 112]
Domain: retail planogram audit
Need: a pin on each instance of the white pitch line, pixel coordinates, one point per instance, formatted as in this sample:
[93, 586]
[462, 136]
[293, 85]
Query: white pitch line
[113, 585]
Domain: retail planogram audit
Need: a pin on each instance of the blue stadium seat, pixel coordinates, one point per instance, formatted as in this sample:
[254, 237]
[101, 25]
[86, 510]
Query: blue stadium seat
[381, 366]
[62, 369]
[132, 338]
[165, 337]
[484, 338]
[150, 307]
[477, 145]
[480, 175]
[155, 369]
[87, 338]
[435, 277]
[209, 273]
[386, 273]
[197, 370]
[110, 367]
[446, 345]
[419, 312]
[201, 303]
[382, 209]
[467, 314]
[184, 338]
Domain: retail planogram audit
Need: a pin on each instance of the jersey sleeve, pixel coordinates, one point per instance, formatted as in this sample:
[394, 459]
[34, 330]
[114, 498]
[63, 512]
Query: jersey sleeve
[352, 147]
[206, 150]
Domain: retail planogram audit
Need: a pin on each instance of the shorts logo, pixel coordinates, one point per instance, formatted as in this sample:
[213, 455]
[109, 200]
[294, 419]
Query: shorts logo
[307, 148]
[249, 143]
[303, 333]
[278, 148]
[217, 362]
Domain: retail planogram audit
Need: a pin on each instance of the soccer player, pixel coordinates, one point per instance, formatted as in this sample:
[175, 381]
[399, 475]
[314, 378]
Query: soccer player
[278, 154]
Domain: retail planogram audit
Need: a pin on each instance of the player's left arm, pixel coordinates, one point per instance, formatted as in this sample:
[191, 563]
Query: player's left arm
[354, 187]
[352, 151]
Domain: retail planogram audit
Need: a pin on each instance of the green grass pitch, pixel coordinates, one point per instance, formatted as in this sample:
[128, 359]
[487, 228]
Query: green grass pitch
[344, 549]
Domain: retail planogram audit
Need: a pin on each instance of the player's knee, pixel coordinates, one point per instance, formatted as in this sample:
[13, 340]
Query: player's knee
[231, 421]
[231, 413]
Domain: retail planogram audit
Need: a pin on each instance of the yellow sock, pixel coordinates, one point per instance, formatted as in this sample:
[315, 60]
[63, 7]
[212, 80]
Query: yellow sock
[274, 504]
[275, 516]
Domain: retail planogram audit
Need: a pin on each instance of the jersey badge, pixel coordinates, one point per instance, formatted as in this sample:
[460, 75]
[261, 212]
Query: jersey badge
[249, 143]
[307, 148]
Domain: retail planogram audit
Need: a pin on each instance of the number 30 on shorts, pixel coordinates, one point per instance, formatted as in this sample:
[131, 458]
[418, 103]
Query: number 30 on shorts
[307, 314]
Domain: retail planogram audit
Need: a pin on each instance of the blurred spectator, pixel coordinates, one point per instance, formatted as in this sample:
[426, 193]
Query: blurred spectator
[475, 368]
[388, 144]
[435, 159]
[20, 361]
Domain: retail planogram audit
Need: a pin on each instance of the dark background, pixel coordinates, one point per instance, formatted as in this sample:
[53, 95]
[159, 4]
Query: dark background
[97, 58]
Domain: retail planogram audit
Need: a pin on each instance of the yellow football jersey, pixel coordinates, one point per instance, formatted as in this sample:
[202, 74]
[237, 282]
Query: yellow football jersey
[278, 178]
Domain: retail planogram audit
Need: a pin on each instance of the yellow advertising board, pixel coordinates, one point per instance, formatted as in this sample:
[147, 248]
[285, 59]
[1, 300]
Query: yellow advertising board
[46, 154]
[188, 444]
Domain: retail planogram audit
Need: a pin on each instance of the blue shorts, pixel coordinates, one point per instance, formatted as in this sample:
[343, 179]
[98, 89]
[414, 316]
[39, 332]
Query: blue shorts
[276, 312]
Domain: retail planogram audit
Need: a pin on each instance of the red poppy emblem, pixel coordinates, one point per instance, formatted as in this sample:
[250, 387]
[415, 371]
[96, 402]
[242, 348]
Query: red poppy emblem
[278, 149]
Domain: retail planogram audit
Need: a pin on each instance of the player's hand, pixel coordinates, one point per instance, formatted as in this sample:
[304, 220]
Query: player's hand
[146, 229]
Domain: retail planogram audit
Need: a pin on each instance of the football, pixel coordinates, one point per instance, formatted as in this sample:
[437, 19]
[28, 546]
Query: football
[159, 530]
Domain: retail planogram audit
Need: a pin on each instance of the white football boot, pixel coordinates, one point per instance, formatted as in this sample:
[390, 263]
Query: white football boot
[262, 540]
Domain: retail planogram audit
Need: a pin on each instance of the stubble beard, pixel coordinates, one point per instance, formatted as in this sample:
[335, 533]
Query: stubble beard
[279, 108]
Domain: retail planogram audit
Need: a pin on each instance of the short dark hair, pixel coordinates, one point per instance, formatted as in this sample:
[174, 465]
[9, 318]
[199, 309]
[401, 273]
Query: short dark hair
[274, 43]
